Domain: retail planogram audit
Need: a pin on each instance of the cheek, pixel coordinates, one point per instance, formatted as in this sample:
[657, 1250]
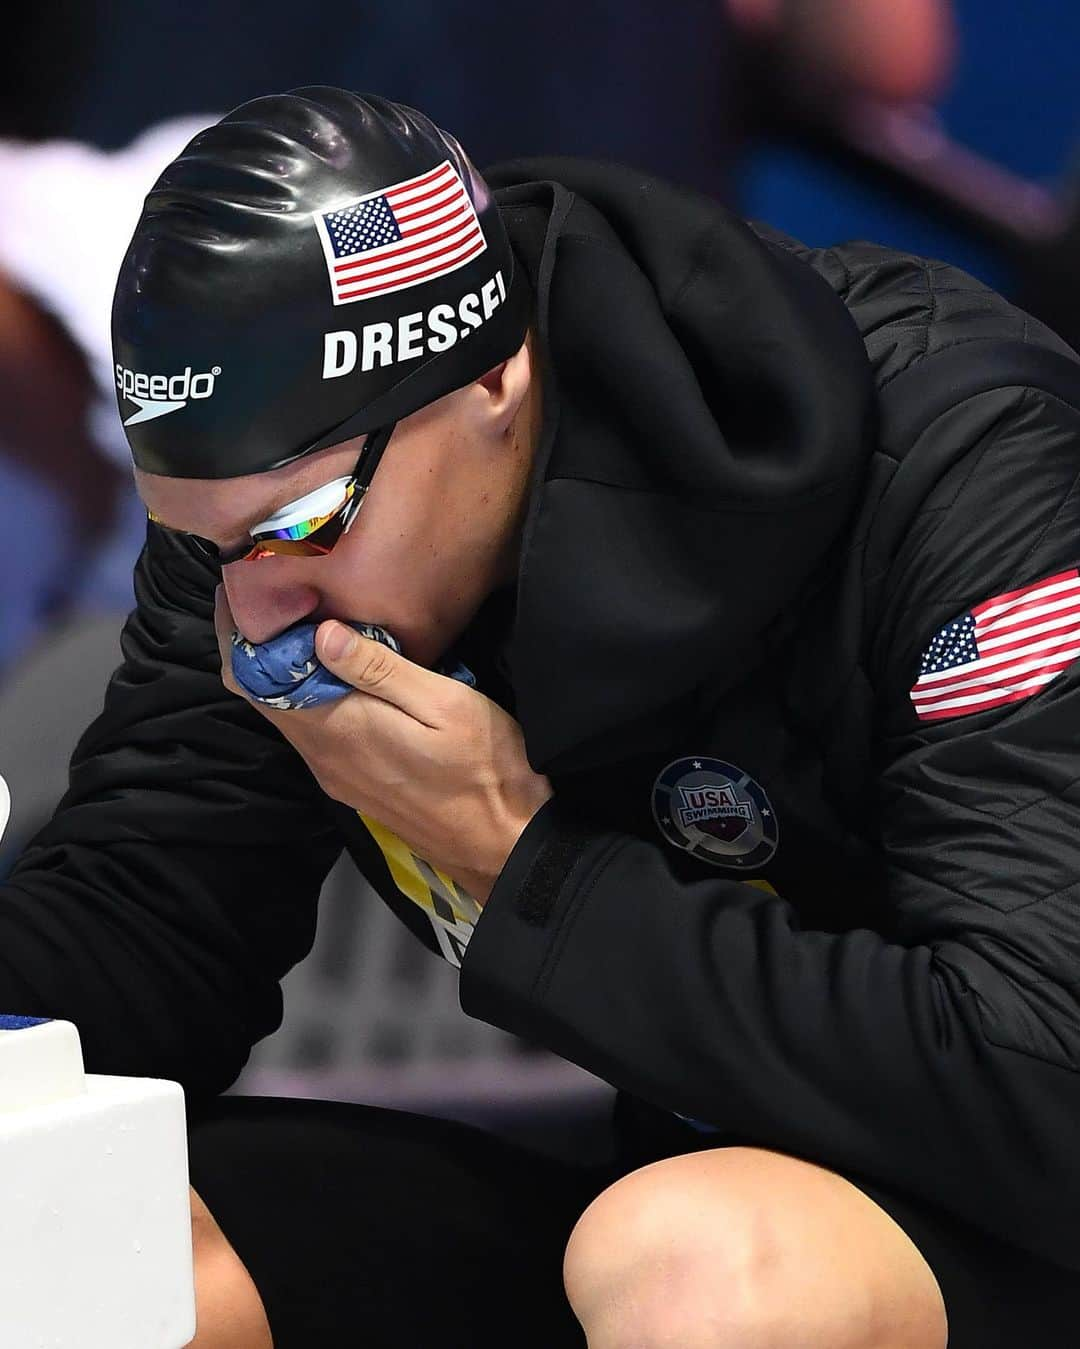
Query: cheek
[383, 558]
[388, 577]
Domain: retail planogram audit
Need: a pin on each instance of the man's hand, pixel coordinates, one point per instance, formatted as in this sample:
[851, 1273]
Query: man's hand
[427, 756]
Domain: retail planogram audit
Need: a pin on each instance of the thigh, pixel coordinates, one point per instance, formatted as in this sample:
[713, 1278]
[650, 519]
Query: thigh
[386, 1229]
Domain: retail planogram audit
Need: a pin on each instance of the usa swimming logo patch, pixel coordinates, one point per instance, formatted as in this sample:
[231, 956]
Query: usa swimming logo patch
[716, 812]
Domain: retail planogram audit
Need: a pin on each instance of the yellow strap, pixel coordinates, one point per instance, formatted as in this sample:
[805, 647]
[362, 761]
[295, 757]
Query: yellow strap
[436, 893]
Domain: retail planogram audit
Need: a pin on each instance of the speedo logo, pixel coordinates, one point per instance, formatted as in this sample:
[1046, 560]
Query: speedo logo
[436, 329]
[158, 395]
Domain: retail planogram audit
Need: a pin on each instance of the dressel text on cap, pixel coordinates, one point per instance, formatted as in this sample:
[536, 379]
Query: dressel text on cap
[413, 335]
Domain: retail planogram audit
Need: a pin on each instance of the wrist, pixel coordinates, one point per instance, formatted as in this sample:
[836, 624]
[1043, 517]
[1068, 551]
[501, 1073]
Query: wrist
[480, 884]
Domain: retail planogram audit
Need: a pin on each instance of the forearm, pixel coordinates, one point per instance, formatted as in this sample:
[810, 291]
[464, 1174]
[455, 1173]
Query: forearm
[709, 1000]
[127, 945]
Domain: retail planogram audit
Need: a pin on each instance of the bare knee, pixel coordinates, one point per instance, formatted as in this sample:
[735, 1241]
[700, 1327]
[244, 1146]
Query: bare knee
[740, 1248]
[229, 1311]
[636, 1279]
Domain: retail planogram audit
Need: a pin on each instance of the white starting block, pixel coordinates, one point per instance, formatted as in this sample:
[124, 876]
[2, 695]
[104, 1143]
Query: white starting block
[95, 1218]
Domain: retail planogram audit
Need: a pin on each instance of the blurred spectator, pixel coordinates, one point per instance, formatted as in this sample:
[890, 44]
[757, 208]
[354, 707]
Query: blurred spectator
[72, 521]
[58, 497]
[1010, 97]
[874, 47]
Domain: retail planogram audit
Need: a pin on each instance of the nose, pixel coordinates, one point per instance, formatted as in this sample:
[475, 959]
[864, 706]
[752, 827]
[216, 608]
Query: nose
[264, 600]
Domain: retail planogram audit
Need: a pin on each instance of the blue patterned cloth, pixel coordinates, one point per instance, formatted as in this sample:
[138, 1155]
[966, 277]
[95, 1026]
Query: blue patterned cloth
[286, 674]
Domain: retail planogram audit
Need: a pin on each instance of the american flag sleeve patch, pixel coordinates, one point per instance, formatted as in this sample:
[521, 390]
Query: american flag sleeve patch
[1002, 651]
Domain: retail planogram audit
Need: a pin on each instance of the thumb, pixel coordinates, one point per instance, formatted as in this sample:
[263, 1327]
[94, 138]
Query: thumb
[361, 661]
[371, 667]
[334, 642]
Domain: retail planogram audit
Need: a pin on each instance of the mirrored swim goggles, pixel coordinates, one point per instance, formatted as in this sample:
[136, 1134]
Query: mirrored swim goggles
[311, 525]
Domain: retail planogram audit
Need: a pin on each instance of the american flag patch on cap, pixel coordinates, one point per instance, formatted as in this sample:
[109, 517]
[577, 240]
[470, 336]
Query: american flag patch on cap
[1002, 651]
[401, 236]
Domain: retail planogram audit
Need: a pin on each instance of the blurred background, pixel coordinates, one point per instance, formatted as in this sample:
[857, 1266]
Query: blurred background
[947, 128]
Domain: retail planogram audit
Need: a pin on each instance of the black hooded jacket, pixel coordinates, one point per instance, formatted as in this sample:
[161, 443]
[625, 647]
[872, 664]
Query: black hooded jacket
[769, 480]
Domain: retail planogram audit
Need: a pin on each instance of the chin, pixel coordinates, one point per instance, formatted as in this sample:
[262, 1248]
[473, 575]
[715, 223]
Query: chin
[419, 649]
[422, 644]
[426, 654]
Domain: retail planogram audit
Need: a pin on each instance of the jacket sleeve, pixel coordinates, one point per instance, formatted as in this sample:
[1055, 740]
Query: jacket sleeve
[178, 879]
[940, 1056]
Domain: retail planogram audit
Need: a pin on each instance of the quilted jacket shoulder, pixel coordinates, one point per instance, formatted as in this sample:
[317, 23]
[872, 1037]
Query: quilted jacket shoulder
[909, 308]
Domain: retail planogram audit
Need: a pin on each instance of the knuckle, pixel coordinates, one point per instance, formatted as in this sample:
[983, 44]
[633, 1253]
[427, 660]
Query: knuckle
[377, 665]
[449, 706]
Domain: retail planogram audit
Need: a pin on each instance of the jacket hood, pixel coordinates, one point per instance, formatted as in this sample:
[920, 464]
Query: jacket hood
[708, 414]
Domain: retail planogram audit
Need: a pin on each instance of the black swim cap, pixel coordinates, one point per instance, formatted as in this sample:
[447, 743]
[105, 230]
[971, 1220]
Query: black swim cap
[315, 265]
